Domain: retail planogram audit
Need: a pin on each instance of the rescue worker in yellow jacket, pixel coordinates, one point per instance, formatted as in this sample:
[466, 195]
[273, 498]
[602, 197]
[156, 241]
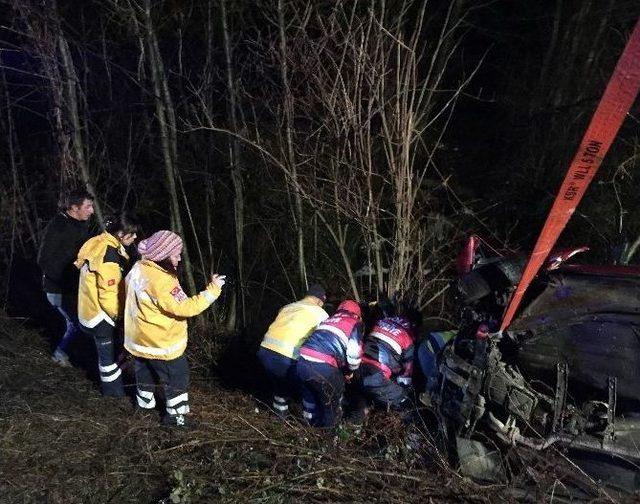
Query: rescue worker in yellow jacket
[102, 261]
[155, 325]
[280, 346]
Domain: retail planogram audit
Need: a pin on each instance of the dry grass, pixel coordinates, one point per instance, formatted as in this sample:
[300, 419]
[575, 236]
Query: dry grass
[61, 442]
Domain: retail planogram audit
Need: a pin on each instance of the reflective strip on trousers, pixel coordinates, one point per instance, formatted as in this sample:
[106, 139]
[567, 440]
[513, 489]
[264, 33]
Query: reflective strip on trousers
[280, 403]
[108, 369]
[109, 373]
[178, 399]
[180, 410]
[111, 377]
[178, 405]
[145, 399]
[308, 409]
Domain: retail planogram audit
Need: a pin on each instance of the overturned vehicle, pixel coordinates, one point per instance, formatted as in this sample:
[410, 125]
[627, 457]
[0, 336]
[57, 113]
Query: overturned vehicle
[564, 377]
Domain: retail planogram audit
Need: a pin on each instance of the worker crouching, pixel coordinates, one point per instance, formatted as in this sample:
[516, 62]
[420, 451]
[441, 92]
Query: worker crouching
[385, 376]
[332, 352]
[102, 261]
[155, 324]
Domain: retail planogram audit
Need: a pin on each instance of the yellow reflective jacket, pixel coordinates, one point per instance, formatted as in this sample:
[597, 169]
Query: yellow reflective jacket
[156, 309]
[101, 261]
[292, 326]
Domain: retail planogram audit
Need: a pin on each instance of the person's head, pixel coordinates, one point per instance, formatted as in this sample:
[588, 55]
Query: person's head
[317, 293]
[414, 316]
[163, 247]
[350, 306]
[123, 227]
[78, 204]
[411, 318]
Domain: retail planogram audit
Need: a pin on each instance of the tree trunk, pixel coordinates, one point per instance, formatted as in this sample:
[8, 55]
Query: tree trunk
[236, 173]
[166, 122]
[71, 102]
[290, 156]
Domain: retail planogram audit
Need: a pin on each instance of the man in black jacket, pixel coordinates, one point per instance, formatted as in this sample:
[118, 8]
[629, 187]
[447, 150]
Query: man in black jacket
[63, 237]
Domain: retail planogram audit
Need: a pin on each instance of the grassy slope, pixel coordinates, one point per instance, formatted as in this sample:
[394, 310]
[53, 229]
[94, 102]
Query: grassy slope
[61, 442]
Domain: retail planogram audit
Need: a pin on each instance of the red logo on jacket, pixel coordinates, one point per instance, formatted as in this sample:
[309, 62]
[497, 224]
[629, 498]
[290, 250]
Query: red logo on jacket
[178, 294]
[394, 332]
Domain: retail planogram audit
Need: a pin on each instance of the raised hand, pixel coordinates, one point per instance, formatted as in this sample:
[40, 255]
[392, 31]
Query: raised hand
[218, 280]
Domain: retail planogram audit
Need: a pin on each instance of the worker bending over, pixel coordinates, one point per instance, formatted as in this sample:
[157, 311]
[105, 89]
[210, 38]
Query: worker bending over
[280, 347]
[329, 356]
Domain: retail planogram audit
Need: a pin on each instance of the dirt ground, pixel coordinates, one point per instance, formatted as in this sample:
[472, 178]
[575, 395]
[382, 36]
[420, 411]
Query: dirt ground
[61, 442]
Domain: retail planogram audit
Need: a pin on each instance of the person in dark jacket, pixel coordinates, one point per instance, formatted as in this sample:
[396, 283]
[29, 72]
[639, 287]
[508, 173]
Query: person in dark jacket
[63, 237]
[385, 376]
[330, 355]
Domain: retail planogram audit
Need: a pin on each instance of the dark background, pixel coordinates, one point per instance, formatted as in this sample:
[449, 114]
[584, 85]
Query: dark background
[522, 78]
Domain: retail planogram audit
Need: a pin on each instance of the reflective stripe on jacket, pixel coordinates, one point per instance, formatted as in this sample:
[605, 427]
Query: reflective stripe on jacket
[156, 309]
[101, 287]
[390, 344]
[336, 341]
[292, 326]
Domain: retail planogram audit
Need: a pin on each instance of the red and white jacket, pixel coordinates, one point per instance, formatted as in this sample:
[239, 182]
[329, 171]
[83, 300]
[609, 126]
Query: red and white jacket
[337, 341]
[389, 347]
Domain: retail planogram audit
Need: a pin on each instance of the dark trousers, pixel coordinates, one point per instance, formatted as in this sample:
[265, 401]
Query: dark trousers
[67, 306]
[427, 358]
[111, 380]
[371, 385]
[281, 372]
[172, 376]
[322, 390]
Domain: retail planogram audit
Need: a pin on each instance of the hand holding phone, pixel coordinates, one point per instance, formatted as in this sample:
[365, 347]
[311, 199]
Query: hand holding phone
[218, 280]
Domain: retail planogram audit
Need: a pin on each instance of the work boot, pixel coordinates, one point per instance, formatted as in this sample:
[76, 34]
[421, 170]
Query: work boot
[61, 358]
[174, 420]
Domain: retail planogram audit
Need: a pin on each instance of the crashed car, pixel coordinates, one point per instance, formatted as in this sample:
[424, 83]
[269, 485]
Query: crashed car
[565, 375]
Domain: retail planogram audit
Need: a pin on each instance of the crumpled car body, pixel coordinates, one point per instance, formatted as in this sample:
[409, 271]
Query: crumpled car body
[589, 318]
[566, 373]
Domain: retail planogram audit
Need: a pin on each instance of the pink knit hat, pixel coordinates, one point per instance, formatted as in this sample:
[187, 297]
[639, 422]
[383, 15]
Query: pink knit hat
[160, 245]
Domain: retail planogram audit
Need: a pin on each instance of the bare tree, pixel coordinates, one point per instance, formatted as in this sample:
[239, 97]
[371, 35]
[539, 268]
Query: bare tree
[45, 34]
[140, 19]
[368, 125]
[236, 170]
[288, 152]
